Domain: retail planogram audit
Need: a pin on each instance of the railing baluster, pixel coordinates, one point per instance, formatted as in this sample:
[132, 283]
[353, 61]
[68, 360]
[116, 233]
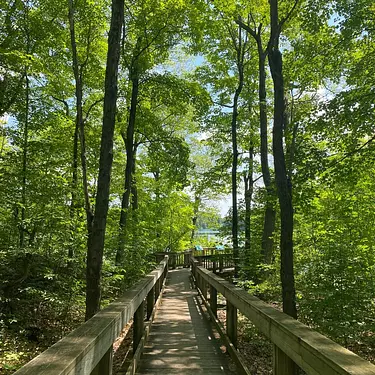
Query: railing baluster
[213, 300]
[204, 288]
[150, 302]
[232, 323]
[138, 325]
[104, 367]
[282, 364]
[157, 289]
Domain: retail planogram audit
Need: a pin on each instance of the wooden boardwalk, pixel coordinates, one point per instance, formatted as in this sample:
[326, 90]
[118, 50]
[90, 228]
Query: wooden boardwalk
[181, 340]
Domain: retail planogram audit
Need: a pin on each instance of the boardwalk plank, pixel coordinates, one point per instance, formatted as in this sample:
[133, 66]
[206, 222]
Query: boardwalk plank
[181, 340]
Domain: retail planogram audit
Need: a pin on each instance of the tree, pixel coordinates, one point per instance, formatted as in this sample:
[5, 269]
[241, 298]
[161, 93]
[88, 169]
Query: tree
[96, 244]
[150, 36]
[284, 188]
[270, 213]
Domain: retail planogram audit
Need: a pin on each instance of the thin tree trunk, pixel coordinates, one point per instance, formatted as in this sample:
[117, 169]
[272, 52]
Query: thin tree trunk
[74, 190]
[80, 124]
[270, 212]
[284, 188]
[197, 202]
[158, 229]
[129, 146]
[134, 181]
[291, 145]
[249, 187]
[240, 59]
[96, 244]
[74, 182]
[25, 145]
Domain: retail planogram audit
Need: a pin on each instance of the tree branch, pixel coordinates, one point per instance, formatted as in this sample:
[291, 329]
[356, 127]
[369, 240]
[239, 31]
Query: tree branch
[91, 107]
[223, 105]
[287, 17]
[67, 111]
[351, 153]
[247, 28]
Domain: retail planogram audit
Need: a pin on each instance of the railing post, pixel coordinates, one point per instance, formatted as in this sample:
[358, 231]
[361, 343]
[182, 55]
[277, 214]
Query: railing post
[157, 289]
[213, 300]
[150, 302]
[214, 266]
[174, 260]
[221, 259]
[204, 287]
[232, 323]
[282, 364]
[165, 273]
[138, 325]
[104, 367]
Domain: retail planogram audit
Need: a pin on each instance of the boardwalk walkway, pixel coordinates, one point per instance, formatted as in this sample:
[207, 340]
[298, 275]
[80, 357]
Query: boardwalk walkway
[181, 340]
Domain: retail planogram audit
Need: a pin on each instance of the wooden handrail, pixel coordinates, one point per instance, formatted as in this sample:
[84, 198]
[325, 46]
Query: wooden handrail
[88, 349]
[311, 351]
[176, 259]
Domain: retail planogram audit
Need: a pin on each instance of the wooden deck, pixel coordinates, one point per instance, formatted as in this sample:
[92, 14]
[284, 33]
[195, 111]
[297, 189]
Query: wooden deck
[181, 340]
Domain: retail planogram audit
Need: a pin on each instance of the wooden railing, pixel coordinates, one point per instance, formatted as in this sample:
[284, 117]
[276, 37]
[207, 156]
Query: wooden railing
[88, 349]
[176, 259]
[294, 342]
[211, 251]
[215, 263]
[209, 256]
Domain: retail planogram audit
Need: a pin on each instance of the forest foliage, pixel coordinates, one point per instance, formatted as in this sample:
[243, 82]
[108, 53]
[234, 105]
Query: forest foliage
[199, 108]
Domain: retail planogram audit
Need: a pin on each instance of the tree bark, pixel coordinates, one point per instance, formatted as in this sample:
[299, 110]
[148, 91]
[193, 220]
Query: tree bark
[240, 67]
[134, 189]
[249, 187]
[25, 145]
[197, 202]
[74, 190]
[80, 123]
[129, 146]
[284, 188]
[270, 212]
[96, 244]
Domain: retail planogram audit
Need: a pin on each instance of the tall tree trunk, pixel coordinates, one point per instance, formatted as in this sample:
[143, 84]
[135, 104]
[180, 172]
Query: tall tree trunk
[270, 213]
[240, 59]
[158, 230]
[197, 202]
[292, 137]
[73, 201]
[284, 188]
[129, 146]
[249, 187]
[134, 189]
[80, 124]
[96, 244]
[25, 145]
